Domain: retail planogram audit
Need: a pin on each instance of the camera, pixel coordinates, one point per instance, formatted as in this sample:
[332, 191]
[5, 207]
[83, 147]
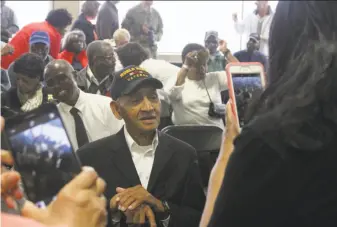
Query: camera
[217, 110]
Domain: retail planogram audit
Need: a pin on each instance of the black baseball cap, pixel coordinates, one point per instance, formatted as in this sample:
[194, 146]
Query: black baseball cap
[208, 34]
[129, 79]
[255, 37]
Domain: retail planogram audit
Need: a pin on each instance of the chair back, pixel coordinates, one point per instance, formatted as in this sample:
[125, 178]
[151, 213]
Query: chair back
[165, 115]
[206, 139]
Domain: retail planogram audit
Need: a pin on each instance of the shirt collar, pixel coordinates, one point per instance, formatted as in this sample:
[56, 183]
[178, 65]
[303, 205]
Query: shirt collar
[134, 147]
[92, 77]
[79, 104]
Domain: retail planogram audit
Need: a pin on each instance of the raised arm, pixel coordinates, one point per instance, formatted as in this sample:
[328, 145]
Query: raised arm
[188, 67]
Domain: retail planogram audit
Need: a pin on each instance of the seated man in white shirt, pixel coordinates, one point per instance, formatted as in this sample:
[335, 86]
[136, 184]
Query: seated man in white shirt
[96, 78]
[134, 54]
[87, 117]
[197, 93]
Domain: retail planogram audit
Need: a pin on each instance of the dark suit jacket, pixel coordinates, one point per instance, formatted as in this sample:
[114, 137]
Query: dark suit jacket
[175, 175]
[81, 80]
[107, 20]
[86, 26]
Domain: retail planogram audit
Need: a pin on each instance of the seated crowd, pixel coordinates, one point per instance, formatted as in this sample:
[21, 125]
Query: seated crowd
[111, 93]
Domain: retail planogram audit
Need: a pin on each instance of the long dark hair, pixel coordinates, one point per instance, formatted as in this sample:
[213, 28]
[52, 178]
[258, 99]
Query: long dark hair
[300, 102]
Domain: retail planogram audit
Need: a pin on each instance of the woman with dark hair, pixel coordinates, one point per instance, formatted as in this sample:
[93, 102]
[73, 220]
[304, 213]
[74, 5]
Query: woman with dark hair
[28, 93]
[283, 169]
[89, 12]
[74, 50]
[55, 24]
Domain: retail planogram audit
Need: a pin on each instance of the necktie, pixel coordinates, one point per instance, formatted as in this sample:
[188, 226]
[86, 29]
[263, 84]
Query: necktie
[81, 133]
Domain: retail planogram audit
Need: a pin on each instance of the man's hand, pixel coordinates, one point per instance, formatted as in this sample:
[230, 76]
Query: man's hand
[7, 49]
[223, 46]
[79, 204]
[145, 29]
[140, 215]
[131, 198]
[191, 59]
[10, 190]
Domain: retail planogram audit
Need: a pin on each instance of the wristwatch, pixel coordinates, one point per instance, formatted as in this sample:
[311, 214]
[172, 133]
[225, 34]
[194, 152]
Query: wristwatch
[167, 212]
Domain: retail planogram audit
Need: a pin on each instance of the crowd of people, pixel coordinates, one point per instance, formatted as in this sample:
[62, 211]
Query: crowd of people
[277, 168]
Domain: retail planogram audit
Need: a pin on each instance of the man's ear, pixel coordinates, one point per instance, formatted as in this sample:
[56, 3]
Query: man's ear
[115, 109]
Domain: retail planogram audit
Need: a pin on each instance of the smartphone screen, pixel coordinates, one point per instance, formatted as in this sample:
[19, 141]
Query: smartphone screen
[245, 85]
[43, 154]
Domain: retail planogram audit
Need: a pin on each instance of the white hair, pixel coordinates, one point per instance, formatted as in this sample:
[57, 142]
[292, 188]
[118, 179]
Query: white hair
[121, 35]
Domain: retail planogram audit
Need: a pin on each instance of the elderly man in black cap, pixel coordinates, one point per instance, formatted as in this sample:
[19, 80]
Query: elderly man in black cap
[147, 172]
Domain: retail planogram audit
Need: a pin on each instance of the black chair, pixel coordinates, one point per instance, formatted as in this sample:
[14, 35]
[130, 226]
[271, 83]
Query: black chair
[206, 139]
[165, 115]
[178, 64]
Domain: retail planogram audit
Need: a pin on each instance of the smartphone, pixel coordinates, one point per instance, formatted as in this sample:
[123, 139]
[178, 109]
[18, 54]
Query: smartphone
[244, 79]
[42, 152]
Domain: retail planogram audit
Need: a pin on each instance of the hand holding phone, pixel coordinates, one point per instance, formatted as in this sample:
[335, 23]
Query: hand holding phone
[244, 79]
[42, 152]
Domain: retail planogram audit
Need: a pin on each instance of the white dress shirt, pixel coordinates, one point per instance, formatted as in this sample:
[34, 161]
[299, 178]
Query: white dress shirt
[143, 158]
[250, 25]
[163, 71]
[190, 101]
[96, 114]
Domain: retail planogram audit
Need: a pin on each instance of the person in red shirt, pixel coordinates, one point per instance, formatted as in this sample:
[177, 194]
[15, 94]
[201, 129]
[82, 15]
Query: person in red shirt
[55, 25]
[74, 50]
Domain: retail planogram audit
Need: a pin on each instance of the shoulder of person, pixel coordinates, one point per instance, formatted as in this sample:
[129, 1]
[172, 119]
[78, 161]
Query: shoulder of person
[254, 138]
[239, 52]
[154, 10]
[98, 148]
[179, 146]
[98, 100]
[134, 9]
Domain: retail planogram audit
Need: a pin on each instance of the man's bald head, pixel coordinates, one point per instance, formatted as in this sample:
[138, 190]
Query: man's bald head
[101, 56]
[98, 48]
[57, 67]
[59, 78]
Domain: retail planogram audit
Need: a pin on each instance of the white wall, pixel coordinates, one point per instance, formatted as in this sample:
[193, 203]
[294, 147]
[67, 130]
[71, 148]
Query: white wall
[184, 21]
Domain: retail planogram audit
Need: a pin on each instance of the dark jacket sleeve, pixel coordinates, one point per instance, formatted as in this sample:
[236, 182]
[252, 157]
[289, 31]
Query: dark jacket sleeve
[254, 187]
[107, 23]
[87, 28]
[193, 202]
[130, 24]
